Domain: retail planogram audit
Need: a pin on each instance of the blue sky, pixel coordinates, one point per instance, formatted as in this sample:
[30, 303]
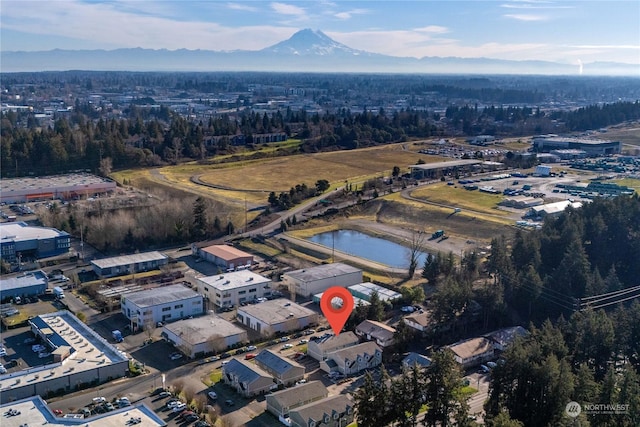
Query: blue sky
[562, 31]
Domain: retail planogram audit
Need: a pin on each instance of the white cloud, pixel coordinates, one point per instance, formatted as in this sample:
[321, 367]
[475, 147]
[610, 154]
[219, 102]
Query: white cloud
[239, 6]
[433, 29]
[526, 17]
[349, 14]
[608, 46]
[288, 9]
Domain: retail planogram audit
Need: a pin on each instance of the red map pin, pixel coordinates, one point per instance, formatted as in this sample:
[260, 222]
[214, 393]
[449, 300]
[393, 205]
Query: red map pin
[336, 305]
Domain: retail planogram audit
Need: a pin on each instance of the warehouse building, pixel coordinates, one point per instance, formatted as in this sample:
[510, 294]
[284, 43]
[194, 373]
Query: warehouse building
[18, 239]
[436, 170]
[29, 284]
[129, 264]
[235, 288]
[319, 349]
[285, 371]
[162, 304]
[593, 147]
[334, 411]
[552, 209]
[357, 302]
[63, 187]
[226, 257]
[365, 290]
[203, 335]
[310, 281]
[276, 316]
[33, 411]
[79, 358]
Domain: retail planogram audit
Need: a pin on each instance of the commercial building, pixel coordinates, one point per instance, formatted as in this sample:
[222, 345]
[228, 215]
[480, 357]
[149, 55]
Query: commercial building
[310, 281]
[436, 170]
[203, 335]
[276, 316]
[354, 359]
[163, 304]
[335, 411]
[63, 187]
[521, 202]
[22, 285]
[366, 289]
[552, 209]
[319, 349]
[129, 264]
[33, 411]
[472, 352]
[226, 257]
[235, 288]
[18, 239]
[280, 403]
[285, 370]
[376, 331]
[79, 358]
[247, 379]
[593, 147]
[357, 302]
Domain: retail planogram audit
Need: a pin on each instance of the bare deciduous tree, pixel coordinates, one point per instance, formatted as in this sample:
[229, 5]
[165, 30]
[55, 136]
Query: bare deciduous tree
[416, 248]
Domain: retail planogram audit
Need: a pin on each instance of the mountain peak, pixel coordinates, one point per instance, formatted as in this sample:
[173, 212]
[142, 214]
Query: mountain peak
[308, 42]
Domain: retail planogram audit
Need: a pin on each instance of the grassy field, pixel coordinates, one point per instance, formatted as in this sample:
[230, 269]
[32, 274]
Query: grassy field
[627, 134]
[629, 182]
[459, 197]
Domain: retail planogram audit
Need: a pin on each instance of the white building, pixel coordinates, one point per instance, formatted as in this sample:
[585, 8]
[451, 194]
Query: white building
[279, 315]
[310, 281]
[203, 335]
[163, 304]
[232, 289]
[78, 357]
[353, 359]
[28, 189]
[129, 264]
[366, 289]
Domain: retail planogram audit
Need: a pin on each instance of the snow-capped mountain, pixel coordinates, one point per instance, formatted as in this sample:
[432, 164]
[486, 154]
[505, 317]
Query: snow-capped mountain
[311, 42]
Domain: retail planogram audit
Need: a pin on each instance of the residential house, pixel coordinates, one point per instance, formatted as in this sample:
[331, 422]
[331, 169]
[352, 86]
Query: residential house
[283, 369]
[473, 352]
[376, 331]
[413, 359]
[354, 359]
[335, 411]
[280, 403]
[421, 322]
[503, 338]
[247, 379]
[320, 348]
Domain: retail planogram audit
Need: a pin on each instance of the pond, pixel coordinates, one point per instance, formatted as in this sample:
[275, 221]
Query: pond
[364, 246]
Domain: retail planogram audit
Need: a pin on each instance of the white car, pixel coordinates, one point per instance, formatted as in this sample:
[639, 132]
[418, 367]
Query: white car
[212, 395]
[98, 400]
[37, 348]
[287, 346]
[252, 348]
[175, 356]
[43, 355]
[173, 404]
[303, 341]
[180, 407]
[3, 370]
[3, 352]
[407, 309]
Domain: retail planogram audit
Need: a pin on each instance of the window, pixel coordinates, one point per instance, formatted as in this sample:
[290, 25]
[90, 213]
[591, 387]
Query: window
[252, 290]
[217, 294]
[195, 303]
[242, 292]
[166, 308]
[177, 306]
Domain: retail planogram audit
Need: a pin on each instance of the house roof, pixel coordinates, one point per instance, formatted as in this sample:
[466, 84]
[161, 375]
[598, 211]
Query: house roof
[317, 410]
[422, 319]
[506, 336]
[375, 329]
[352, 352]
[471, 347]
[276, 311]
[226, 252]
[275, 362]
[245, 372]
[300, 393]
[333, 341]
[416, 358]
[160, 295]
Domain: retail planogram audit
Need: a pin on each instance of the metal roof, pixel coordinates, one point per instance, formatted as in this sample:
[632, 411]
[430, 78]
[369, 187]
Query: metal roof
[204, 328]
[322, 271]
[444, 165]
[276, 311]
[21, 231]
[226, 252]
[300, 393]
[161, 295]
[245, 372]
[129, 259]
[33, 278]
[235, 279]
[275, 362]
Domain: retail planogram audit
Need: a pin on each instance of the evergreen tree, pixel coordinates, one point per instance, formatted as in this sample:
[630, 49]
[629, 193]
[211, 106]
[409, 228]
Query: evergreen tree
[199, 218]
[376, 307]
[442, 390]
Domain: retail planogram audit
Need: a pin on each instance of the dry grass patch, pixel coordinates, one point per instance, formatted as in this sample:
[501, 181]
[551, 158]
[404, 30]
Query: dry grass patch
[459, 197]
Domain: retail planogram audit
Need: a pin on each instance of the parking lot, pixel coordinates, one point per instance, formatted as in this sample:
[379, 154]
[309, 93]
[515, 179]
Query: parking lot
[18, 343]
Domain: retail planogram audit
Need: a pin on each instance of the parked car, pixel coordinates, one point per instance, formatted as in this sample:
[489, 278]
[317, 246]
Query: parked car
[57, 412]
[212, 395]
[109, 406]
[98, 400]
[180, 407]
[303, 342]
[3, 370]
[240, 351]
[225, 355]
[491, 365]
[287, 346]
[173, 403]
[229, 402]
[284, 339]
[175, 356]
[3, 352]
[44, 354]
[407, 309]
[164, 394]
[38, 348]
[252, 348]
[191, 418]
[309, 332]
[250, 356]
[202, 423]
[29, 340]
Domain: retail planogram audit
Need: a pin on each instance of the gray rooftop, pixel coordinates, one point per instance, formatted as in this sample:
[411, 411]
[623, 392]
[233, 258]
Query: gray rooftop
[416, 359]
[334, 341]
[202, 329]
[444, 165]
[316, 410]
[20, 231]
[233, 280]
[275, 362]
[323, 271]
[245, 372]
[128, 259]
[24, 280]
[354, 351]
[51, 182]
[161, 295]
[276, 311]
[300, 393]
[368, 288]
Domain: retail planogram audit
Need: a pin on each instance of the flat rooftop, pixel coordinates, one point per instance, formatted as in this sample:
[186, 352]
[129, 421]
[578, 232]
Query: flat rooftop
[226, 252]
[35, 412]
[201, 329]
[368, 288]
[23, 280]
[87, 350]
[128, 259]
[234, 280]
[53, 182]
[323, 271]
[161, 295]
[276, 311]
[586, 141]
[21, 231]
